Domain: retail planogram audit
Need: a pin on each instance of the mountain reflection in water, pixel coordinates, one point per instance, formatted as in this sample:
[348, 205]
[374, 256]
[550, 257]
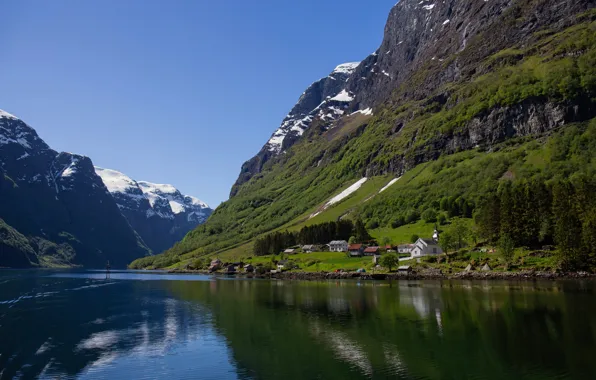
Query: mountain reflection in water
[154, 325]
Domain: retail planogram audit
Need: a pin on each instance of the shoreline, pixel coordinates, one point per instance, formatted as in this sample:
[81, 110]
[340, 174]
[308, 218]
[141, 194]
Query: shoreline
[424, 275]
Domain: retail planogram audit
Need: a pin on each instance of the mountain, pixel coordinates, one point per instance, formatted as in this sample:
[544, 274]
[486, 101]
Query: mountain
[55, 210]
[482, 77]
[324, 100]
[442, 42]
[160, 214]
[460, 97]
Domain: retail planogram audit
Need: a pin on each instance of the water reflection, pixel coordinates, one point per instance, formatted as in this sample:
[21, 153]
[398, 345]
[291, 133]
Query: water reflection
[87, 328]
[201, 327]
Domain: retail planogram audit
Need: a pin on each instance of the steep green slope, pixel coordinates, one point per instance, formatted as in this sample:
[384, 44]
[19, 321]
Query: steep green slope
[496, 120]
[15, 250]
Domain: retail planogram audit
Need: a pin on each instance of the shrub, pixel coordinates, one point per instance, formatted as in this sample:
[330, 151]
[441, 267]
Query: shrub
[198, 264]
[372, 224]
[429, 215]
[398, 222]
[412, 217]
[262, 269]
[389, 261]
[429, 259]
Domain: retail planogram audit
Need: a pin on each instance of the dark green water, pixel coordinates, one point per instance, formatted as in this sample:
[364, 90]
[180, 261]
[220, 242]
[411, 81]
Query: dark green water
[152, 325]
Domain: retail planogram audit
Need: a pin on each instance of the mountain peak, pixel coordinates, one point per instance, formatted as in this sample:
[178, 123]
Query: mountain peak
[167, 198]
[151, 207]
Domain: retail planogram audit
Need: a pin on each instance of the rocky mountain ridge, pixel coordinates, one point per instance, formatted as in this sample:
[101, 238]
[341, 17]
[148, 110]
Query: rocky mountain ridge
[56, 210]
[57, 206]
[443, 38]
[161, 214]
[326, 99]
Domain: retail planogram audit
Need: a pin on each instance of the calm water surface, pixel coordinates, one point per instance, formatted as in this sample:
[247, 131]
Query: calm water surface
[159, 326]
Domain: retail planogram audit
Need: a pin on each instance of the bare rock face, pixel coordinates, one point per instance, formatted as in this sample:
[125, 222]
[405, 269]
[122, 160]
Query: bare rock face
[325, 100]
[451, 38]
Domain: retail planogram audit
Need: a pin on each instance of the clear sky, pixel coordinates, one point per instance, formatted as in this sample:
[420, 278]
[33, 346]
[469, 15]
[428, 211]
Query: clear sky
[179, 92]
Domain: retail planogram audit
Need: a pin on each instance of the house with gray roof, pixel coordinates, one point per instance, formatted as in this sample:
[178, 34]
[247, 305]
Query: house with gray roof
[426, 247]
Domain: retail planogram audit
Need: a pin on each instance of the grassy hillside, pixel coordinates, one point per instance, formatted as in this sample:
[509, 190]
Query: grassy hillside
[429, 140]
[15, 249]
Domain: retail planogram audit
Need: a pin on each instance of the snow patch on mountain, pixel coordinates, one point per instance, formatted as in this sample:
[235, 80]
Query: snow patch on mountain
[115, 181]
[176, 207]
[343, 96]
[366, 112]
[70, 169]
[346, 68]
[197, 202]
[156, 188]
[341, 196]
[6, 115]
[347, 192]
[328, 109]
[163, 200]
[389, 184]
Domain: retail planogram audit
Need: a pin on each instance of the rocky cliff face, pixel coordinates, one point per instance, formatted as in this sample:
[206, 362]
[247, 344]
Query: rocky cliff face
[326, 100]
[159, 213]
[447, 40]
[58, 202]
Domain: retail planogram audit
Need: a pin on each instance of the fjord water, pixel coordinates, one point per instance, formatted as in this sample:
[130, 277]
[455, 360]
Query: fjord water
[154, 325]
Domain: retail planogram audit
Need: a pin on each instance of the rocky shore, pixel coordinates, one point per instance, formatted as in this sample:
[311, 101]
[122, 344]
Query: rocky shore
[421, 275]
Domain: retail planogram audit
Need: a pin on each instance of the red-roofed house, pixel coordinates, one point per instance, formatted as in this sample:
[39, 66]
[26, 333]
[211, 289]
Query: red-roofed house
[356, 249]
[371, 251]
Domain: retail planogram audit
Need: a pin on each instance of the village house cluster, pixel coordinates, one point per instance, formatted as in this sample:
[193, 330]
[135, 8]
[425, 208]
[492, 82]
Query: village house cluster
[422, 247]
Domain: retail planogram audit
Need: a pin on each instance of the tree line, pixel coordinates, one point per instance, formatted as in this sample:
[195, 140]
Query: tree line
[323, 233]
[534, 213]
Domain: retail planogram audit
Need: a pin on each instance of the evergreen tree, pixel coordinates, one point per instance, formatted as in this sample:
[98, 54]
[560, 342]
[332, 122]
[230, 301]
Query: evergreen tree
[568, 228]
[444, 204]
[507, 222]
[360, 232]
[488, 218]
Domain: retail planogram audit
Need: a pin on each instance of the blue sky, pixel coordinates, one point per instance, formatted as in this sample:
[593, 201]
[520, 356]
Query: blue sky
[179, 92]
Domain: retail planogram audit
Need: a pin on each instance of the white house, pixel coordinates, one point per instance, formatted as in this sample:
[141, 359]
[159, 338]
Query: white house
[405, 248]
[338, 246]
[426, 247]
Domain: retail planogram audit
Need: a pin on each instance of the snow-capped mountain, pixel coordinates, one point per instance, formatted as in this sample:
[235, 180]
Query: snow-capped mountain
[326, 98]
[161, 214]
[54, 209]
[324, 101]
